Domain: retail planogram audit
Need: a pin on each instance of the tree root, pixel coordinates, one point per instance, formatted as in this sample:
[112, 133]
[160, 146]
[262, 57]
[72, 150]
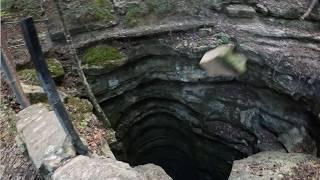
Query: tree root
[311, 7]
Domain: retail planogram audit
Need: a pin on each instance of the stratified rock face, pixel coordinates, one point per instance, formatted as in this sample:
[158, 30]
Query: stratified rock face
[167, 110]
[276, 165]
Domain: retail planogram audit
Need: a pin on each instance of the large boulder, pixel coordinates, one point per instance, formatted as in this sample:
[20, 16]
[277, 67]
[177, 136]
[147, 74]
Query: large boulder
[99, 168]
[276, 165]
[40, 132]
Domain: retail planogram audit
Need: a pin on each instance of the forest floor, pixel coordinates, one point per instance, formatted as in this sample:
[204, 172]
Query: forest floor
[14, 164]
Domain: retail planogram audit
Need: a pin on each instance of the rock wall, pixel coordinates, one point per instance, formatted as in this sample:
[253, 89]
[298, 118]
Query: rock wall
[156, 88]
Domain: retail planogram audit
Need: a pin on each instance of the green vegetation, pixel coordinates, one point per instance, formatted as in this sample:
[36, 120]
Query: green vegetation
[4, 13]
[29, 75]
[160, 7]
[223, 38]
[134, 15]
[55, 68]
[106, 57]
[155, 8]
[86, 11]
[78, 104]
[80, 111]
[103, 9]
[236, 61]
[23, 7]
[8, 123]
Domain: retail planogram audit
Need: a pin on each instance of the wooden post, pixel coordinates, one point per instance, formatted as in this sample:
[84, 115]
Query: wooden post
[13, 81]
[33, 45]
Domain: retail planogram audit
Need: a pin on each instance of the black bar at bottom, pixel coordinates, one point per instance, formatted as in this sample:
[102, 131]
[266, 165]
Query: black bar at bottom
[33, 45]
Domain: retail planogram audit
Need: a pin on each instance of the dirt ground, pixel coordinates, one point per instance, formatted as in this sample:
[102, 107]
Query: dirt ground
[14, 165]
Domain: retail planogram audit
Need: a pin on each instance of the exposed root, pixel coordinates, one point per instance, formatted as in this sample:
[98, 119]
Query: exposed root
[311, 7]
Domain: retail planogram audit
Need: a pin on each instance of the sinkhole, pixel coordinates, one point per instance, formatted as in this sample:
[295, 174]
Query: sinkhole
[165, 110]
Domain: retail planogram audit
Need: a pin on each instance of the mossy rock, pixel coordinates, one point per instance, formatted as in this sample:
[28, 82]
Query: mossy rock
[29, 75]
[103, 57]
[103, 10]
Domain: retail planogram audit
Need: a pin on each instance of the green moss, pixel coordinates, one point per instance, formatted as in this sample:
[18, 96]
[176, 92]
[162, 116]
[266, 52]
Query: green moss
[134, 15]
[137, 13]
[55, 68]
[3, 13]
[28, 75]
[23, 7]
[106, 57]
[160, 7]
[80, 111]
[236, 61]
[103, 10]
[223, 38]
[88, 11]
[79, 105]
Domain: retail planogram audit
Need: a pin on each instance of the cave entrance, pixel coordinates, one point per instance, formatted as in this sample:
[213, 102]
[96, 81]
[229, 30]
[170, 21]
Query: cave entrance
[166, 110]
[164, 140]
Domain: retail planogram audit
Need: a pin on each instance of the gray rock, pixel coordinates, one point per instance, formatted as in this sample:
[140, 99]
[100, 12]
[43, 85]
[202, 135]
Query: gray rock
[262, 9]
[205, 32]
[152, 172]
[240, 11]
[276, 165]
[42, 134]
[106, 151]
[85, 168]
[36, 94]
[298, 140]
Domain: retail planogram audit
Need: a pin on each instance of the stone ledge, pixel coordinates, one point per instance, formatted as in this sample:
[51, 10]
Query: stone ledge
[276, 165]
[99, 168]
[39, 129]
[54, 156]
